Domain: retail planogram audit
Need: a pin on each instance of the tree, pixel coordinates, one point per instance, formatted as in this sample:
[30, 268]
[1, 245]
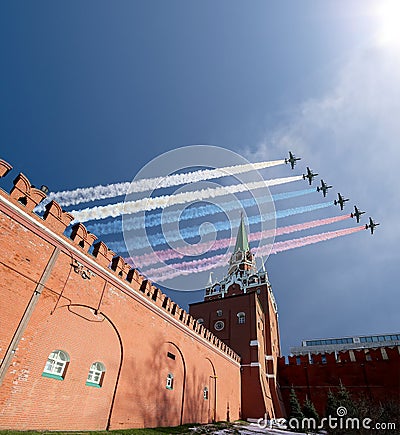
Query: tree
[331, 405]
[310, 412]
[344, 399]
[296, 415]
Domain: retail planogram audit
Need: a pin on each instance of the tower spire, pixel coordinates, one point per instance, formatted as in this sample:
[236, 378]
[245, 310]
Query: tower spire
[242, 241]
[241, 259]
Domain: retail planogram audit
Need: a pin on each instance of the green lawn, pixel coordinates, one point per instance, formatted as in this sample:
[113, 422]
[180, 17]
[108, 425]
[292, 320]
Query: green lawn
[180, 430]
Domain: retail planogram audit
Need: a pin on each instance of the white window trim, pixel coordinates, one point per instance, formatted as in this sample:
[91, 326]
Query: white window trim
[170, 382]
[96, 374]
[56, 366]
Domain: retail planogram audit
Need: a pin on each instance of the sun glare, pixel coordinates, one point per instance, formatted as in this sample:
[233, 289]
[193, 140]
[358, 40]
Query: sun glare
[388, 14]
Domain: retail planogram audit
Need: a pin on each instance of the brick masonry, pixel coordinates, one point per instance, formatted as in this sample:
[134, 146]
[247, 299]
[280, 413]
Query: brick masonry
[57, 296]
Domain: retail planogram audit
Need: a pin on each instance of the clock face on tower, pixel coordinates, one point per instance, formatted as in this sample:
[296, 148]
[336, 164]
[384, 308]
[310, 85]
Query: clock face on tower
[219, 325]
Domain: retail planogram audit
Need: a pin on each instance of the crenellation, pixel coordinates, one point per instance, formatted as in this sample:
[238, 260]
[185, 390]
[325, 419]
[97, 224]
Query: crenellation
[5, 168]
[56, 218]
[347, 356]
[25, 193]
[82, 237]
[134, 277]
[120, 267]
[103, 254]
[154, 293]
[165, 303]
[182, 315]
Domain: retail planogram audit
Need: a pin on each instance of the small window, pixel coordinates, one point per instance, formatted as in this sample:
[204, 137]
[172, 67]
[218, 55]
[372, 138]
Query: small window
[323, 359]
[241, 317]
[170, 382]
[205, 393]
[96, 375]
[219, 313]
[170, 355]
[56, 365]
[201, 321]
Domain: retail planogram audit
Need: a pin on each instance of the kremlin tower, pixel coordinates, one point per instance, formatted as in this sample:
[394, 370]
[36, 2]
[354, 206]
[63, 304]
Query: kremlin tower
[241, 310]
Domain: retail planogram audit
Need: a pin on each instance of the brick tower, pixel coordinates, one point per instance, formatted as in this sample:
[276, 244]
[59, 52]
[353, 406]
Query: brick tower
[241, 310]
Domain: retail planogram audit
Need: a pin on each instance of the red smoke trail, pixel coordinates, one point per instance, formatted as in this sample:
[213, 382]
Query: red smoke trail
[196, 266]
[202, 248]
[309, 240]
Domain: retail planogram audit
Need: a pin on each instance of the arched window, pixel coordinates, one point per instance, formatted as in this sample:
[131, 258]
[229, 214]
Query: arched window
[241, 317]
[96, 375]
[56, 365]
[170, 382]
[200, 320]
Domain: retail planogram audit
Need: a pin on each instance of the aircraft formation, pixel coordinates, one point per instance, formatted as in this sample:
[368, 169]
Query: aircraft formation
[324, 189]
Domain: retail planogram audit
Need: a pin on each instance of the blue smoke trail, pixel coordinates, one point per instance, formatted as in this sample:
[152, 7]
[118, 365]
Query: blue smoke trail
[159, 239]
[153, 220]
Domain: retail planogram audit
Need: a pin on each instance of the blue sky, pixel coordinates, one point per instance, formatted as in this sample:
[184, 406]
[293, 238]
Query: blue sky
[90, 92]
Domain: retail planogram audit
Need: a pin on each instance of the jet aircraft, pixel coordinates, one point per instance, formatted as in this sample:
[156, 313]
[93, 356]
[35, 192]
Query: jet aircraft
[292, 160]
[310, 175]
[324, 188]
[371, 225]
[341, 200]
[357, 213]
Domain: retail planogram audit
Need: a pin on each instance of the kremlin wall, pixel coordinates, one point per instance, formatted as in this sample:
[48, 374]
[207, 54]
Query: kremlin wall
[158, 366]
[87, 343]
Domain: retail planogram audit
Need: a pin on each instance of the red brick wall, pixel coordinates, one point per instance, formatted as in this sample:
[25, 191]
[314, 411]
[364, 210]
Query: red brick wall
[120, 321]
[377, 379]
[259, 394]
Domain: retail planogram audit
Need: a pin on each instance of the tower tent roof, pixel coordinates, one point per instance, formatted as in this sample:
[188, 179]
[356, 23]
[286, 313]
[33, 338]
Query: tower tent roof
[242, 241]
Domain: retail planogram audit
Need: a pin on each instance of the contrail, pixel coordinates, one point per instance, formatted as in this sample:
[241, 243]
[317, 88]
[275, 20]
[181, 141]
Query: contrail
[160, 238]
[164, 273]
[148, 204]
[168, 217]
[88, 194]
[201, 248]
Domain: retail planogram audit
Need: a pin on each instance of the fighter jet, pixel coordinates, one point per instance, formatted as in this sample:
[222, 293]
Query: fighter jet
[292, 159]
[324, 188]
[371, 225]
[357, 213]
[340, 201]
[310, 175]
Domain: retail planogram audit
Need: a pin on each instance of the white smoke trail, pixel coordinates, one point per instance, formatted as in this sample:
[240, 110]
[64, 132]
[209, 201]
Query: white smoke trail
[88, 194]
[148, 204]
[154, 220]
